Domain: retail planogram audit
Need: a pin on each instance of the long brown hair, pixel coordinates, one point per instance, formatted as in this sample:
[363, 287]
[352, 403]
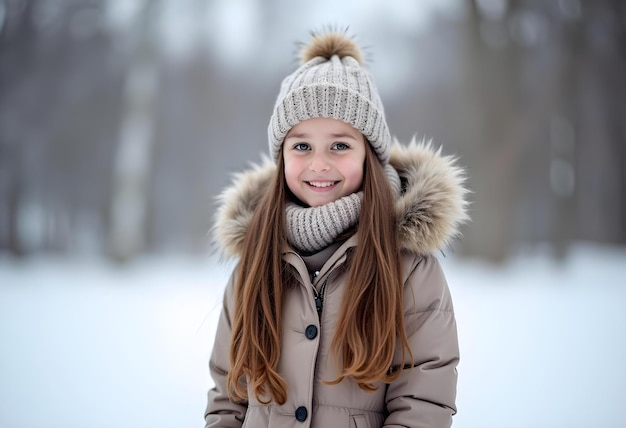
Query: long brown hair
[372, 319]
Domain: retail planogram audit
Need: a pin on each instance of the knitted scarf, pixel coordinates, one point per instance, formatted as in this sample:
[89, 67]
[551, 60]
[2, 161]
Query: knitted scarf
[312, 229]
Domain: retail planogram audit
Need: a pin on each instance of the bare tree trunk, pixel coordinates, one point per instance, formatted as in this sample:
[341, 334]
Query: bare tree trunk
[564, 138]
[618, 122]
[15, 246]
[134, 156]
[17, 40]
[491, 99]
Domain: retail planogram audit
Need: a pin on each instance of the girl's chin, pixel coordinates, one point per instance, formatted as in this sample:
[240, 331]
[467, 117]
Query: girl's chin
[319, 200]
[317, 203]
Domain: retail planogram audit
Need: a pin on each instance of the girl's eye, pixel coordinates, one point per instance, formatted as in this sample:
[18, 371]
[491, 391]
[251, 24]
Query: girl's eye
[301, 147]
[340, 146]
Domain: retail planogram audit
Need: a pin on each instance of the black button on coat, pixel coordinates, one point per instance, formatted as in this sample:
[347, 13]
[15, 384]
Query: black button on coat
[311, 332]
[301, 414]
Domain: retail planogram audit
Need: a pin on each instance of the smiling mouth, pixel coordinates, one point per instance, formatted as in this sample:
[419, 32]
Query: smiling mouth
[321, 184]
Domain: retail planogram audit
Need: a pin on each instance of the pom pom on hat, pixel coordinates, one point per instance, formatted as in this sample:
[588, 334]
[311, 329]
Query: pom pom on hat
[331, 82]
[331, 43]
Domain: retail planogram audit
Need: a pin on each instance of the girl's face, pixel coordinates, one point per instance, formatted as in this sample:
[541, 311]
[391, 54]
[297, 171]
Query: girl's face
[323, 160]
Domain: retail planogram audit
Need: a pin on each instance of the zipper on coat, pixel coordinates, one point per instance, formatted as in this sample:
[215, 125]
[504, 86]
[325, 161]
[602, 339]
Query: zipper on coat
[314, 275]
[319, 299]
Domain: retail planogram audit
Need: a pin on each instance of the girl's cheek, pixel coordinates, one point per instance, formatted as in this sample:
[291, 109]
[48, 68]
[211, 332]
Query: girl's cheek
[291, 175]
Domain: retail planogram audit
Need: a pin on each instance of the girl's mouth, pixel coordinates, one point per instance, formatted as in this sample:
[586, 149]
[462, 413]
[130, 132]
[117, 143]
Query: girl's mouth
[321, 185]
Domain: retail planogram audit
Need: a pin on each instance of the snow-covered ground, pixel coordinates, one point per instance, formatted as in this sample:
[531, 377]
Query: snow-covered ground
[86, 344]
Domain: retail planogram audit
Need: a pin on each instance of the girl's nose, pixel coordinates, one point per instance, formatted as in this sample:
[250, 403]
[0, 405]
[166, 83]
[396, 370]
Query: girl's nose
[319, 163]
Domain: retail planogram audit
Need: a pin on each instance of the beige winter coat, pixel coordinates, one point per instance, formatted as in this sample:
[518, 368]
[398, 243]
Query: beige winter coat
[429, 212]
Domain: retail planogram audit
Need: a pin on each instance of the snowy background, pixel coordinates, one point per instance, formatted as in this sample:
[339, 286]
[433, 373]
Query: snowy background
[85, 343]
[121, 119]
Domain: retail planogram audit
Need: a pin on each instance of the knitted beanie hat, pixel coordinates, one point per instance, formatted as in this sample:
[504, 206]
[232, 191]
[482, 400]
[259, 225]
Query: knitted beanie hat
[332, 83]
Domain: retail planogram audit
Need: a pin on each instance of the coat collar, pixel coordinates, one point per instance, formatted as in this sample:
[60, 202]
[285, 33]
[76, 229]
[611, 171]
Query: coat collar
[429, 210]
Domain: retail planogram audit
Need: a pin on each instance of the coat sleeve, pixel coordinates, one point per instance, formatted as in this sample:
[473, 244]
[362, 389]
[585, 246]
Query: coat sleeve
[221, 411]
[424, 394]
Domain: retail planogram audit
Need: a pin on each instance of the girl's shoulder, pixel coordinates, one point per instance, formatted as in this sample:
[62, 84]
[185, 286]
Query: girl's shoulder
[425, 284]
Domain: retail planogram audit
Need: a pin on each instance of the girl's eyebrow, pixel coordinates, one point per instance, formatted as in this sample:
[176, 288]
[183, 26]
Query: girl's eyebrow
[297, 135]
[343, 135]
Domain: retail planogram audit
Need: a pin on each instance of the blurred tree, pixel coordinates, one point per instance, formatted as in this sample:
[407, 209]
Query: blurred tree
[564, 131]
[601, 119]
[132, 167]
[17, 40]
[494, 105]
[58, 106]
[532, 75]
[112, 140]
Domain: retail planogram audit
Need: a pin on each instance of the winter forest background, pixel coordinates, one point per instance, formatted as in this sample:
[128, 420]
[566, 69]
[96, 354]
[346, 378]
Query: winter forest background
[120, 120]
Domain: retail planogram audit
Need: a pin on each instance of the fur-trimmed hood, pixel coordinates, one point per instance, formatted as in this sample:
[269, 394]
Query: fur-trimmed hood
[429, 211]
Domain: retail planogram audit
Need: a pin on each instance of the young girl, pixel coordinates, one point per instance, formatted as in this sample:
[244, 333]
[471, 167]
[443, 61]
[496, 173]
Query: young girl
[338, 313]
